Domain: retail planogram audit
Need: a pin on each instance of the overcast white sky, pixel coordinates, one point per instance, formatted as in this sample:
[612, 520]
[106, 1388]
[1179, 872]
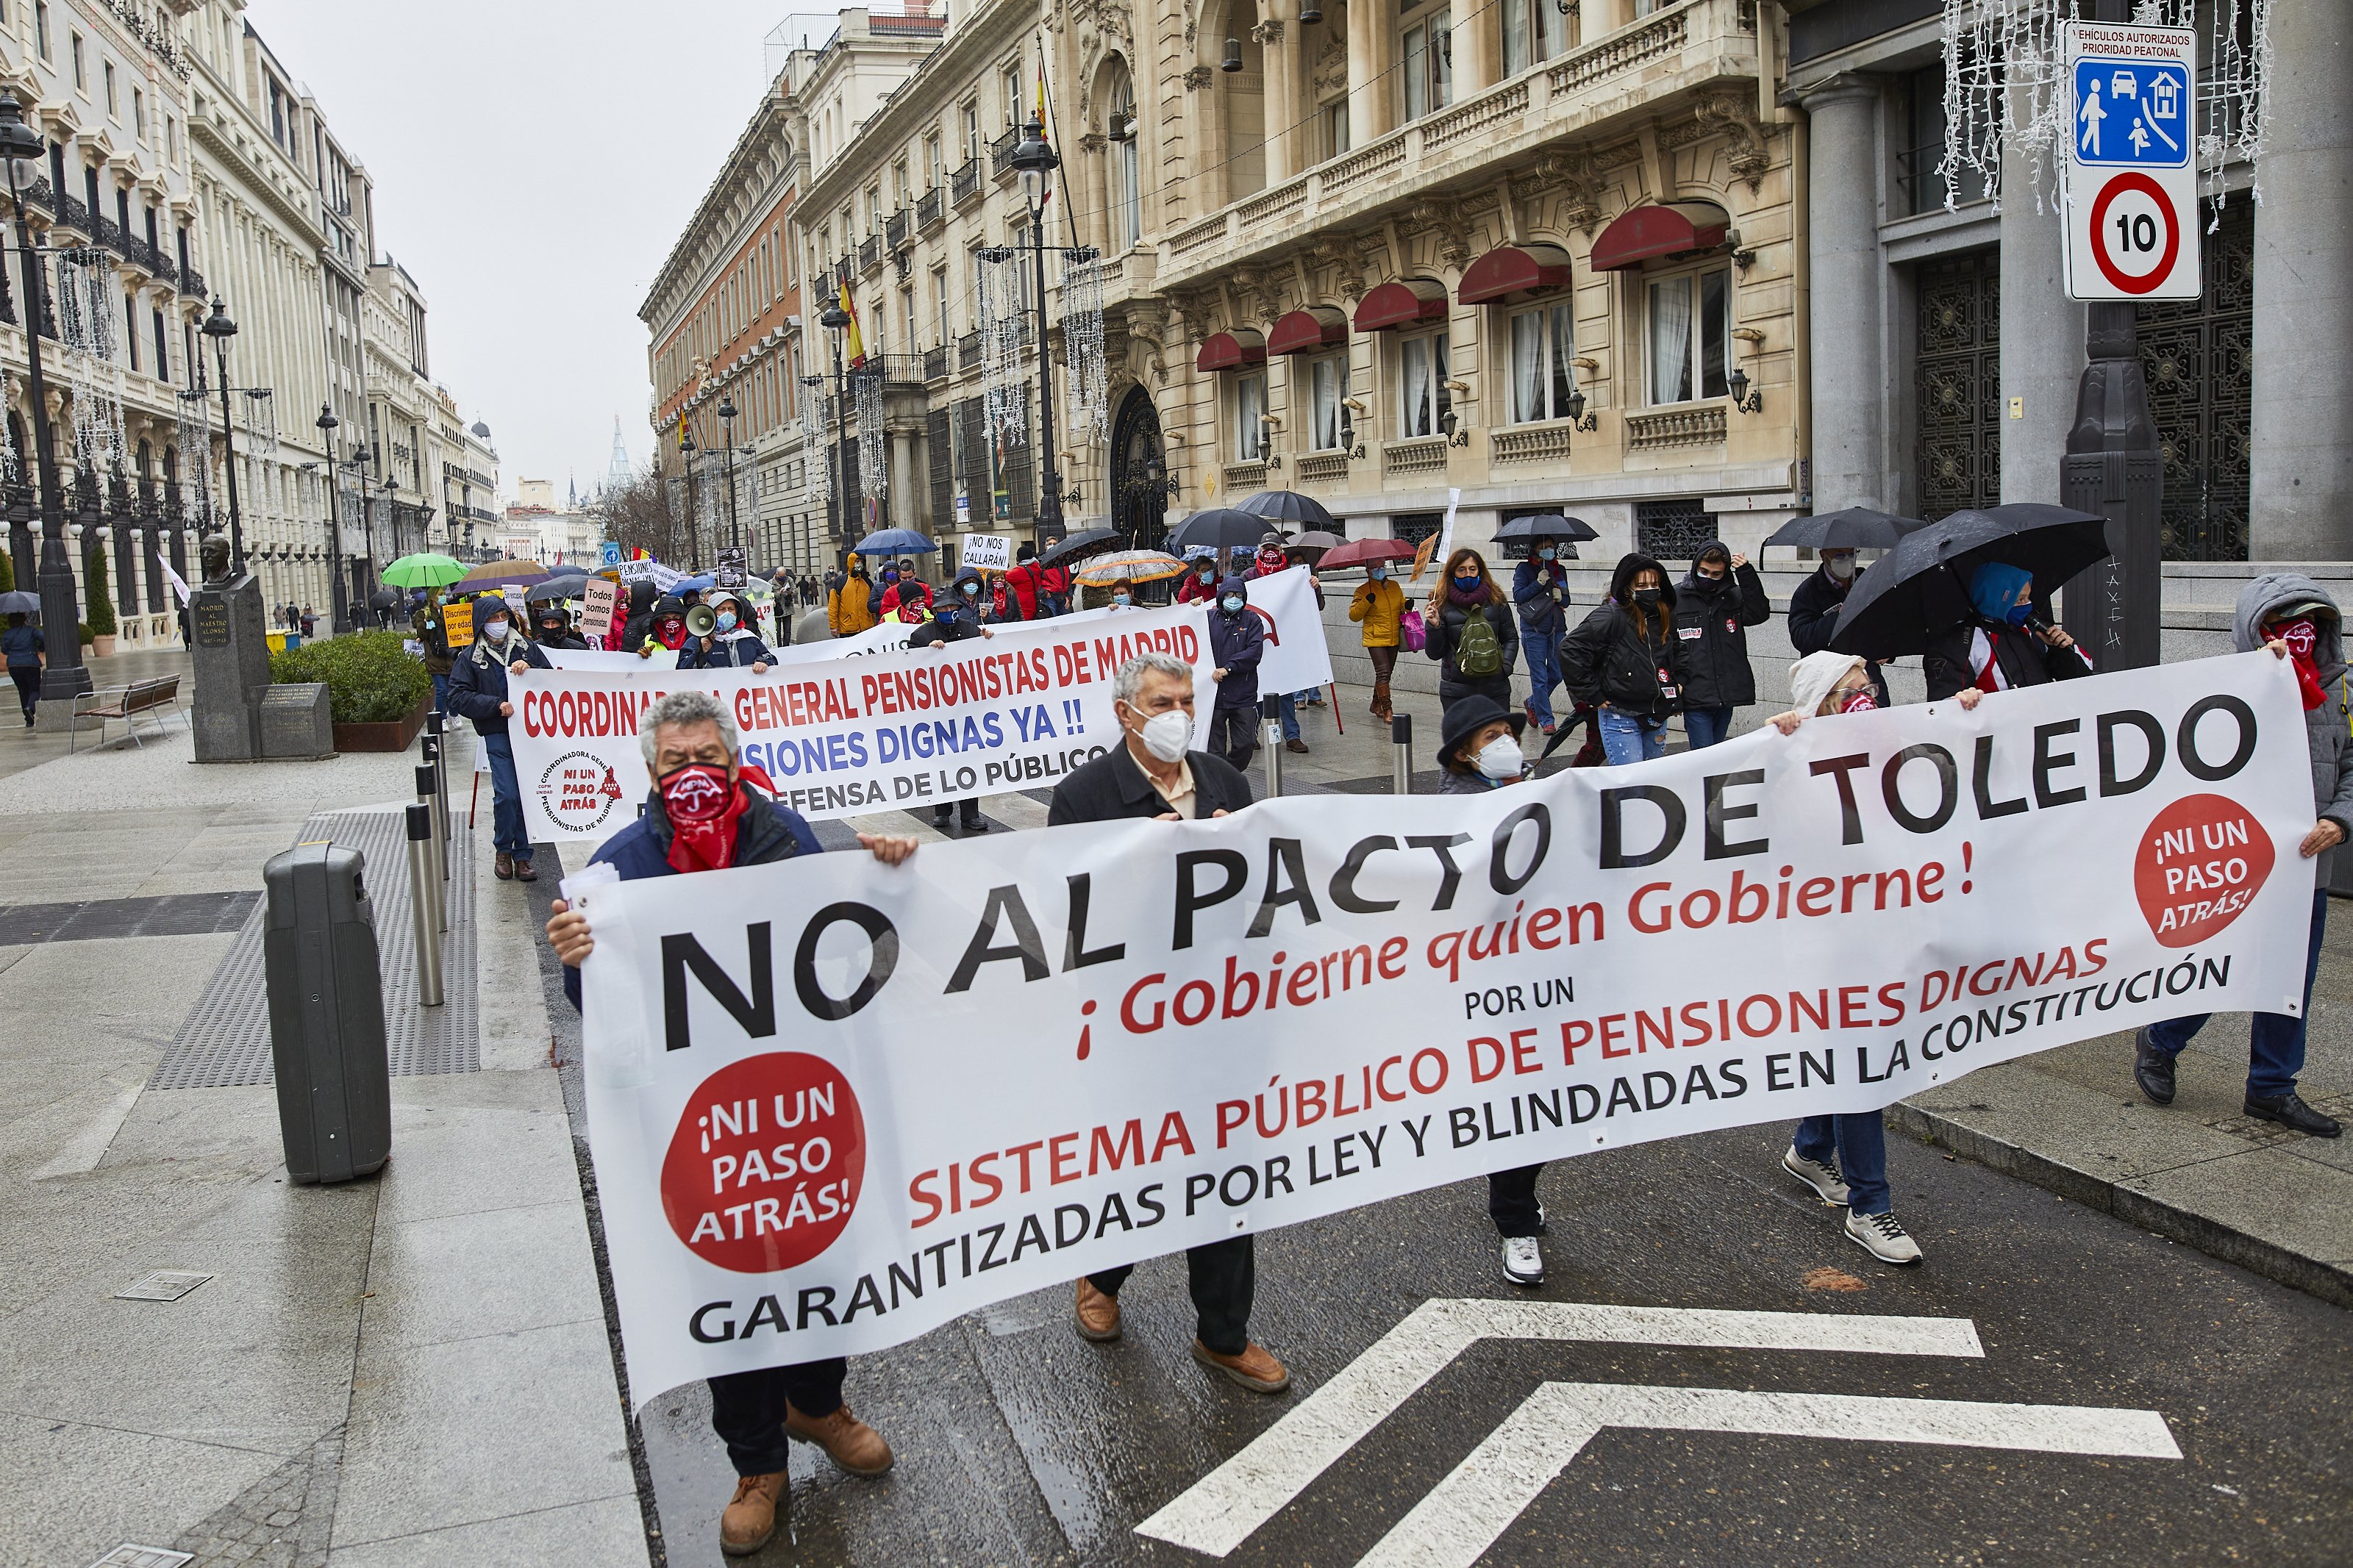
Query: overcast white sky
[533, 160]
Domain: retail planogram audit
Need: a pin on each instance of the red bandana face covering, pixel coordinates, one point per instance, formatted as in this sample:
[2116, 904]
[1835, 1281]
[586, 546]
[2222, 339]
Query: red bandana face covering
[2303, 639]
[1860, 701]
[671, 632]
[704, 810]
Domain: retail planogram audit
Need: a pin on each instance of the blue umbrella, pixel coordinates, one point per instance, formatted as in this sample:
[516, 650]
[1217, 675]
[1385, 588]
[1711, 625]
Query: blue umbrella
[894, 541]
[693, 585]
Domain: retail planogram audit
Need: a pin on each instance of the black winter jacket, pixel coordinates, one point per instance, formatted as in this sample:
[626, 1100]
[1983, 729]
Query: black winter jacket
[2024, 659]
[1114, 786]
[478, 683]
[1443, 635]
[1814, 606]
[1712, 622]
[1605, 661]
[1237, 643]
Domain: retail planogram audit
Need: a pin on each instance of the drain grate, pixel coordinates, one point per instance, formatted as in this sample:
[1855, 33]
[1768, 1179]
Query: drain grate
[225, 1040]
[163, 1285]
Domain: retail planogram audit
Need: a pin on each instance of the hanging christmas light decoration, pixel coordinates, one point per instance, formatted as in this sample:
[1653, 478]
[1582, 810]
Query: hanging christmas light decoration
[86, 334]
[1004, 328]
[12, 466]
[260, 424]
[195, 445]
[816, 473]
[873, 443]
[2006, 93]
[1086, 375]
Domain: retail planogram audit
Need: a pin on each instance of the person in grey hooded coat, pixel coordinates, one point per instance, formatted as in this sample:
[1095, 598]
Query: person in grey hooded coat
[2290, 615]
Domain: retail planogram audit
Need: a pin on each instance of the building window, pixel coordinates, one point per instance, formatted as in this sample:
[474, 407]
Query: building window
[1327, 384]
[940, 303]
[1127, 181]
[972, 130]
[1918, 172]
[1422, 396]
[932, 170]
[80, 73]
[163, 358]
[1332, 123]
[1249, 417]
[1691, 336]
[131, 328]
[139, 113]
[41, 28]
[1534, 30]
[1428, 55]
[113, 108]
[1012, 86]
[1543, 342]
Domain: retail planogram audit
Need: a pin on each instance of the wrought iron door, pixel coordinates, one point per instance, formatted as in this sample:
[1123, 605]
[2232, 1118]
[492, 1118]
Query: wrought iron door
[1139, 502]
[2197, 357]
[1958, 382]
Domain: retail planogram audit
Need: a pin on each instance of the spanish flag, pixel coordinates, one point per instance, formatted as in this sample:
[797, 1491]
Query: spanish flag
[856, 339]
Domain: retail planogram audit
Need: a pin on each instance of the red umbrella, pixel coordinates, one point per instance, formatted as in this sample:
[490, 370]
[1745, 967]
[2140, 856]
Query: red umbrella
[1365, 552]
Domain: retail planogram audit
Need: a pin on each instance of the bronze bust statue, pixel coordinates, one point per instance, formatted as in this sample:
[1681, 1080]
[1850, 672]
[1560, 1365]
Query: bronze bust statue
[215, 555]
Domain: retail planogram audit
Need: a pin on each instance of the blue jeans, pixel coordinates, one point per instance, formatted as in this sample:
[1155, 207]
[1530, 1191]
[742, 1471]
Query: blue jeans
[1706, 726]
[441, 695]
[1860, 1143]
[1289, 706]
[1542, 650]
[1627, 738]
[507, 833]
[2274, 1041]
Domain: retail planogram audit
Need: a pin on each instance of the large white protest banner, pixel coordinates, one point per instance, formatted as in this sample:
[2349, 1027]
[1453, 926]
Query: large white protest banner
[906, 729]
[612, 661]
[833, 1104]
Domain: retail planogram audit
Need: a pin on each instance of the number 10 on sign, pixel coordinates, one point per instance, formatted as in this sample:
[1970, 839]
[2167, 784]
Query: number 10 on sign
[2131, 193]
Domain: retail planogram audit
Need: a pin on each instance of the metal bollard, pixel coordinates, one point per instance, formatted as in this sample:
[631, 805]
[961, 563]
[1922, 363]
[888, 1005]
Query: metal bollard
[1401, 732]
[434, 746]
[425, 787]
[1270, 710]
[424, 902]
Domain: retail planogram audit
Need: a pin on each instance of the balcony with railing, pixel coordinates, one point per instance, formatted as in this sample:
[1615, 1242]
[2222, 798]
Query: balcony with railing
[72, 214]
[895, 227]
[1000, 151]
[870, 253]
[929, 210]
[1602, 87]
[965, 183]
[968, 351]
[108, 235]
[935, 364]
[191, 282]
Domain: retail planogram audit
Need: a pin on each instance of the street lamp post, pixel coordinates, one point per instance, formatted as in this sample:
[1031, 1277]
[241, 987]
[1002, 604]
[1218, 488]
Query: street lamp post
[220, 329]
[1037, 162]
[836, 322]
[65, 677]
[727, 423]
[687, 448]
[341, 599]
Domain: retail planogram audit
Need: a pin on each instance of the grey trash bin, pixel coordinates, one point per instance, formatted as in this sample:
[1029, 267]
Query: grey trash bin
[326, 1014]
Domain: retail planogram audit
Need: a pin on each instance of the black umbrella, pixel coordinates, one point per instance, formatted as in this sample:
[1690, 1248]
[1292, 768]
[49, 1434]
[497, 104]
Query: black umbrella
[1548, 525]
[1855, 527]
[384, 599]
[1083, 543]
[562, 585]
[1219, 528]
[1289, 506]
[1921, 586]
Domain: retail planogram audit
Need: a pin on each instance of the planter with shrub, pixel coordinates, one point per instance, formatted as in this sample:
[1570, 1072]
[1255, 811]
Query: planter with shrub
[101, 607]
[376, 694]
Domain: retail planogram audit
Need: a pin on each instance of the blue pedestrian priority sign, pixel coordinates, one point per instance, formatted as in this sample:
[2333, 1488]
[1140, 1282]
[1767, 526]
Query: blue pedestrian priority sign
[612, 553]
[2132, 113]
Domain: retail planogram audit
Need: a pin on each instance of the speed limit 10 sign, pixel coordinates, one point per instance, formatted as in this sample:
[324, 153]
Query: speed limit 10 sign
[2131, 185]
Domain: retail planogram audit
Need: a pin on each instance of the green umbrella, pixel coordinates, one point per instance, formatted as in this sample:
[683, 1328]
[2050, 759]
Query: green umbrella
[425, 571]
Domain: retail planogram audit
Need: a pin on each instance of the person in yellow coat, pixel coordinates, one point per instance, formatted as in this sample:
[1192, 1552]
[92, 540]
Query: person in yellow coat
[850, 609]
[1379, 604]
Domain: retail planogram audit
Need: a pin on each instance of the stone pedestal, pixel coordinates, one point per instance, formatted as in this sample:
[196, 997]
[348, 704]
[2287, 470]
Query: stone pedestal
[296, 722]
[229, 644]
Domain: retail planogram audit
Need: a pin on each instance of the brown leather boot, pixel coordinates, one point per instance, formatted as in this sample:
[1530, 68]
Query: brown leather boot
[1254, 1369]
[847, 1441]
[750, 1517]
[503, 867]
[1097, 1314]
[1381, 709]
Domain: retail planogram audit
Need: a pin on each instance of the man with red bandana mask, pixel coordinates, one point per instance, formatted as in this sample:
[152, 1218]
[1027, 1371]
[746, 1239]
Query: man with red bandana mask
[702, 816]
[2290, 616]
[667, 627]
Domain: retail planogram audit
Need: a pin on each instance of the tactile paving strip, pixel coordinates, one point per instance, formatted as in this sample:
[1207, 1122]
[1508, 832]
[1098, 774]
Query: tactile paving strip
[225, 1040]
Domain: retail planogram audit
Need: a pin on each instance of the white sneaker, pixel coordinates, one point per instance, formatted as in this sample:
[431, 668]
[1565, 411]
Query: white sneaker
[1523, 1260]
[1828, 1184]
[1884, 1236]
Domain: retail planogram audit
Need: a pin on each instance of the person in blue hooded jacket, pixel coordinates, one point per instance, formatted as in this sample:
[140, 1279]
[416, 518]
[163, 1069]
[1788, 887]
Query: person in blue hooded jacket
[2001, 643]
[733, 644]
[1236, 642]
[477, 691]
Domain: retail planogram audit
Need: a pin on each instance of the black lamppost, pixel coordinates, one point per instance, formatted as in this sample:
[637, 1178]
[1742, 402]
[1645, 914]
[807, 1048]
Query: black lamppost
[1035, 162]
[836, 322]
[687, 448]
[327, 424]
[65, 677]
[220, 329]
[357, 460]
[727, 424]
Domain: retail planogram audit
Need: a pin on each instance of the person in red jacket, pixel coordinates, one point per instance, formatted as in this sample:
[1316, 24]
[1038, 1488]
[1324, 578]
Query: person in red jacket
[908, 598]
[1027, 581]
[1201, 586]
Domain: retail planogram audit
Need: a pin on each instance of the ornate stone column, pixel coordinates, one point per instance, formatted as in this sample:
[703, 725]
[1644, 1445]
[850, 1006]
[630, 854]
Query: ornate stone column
[1844, 340]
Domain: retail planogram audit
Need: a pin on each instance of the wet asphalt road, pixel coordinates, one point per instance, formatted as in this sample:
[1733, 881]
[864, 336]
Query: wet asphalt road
[1018, 1443]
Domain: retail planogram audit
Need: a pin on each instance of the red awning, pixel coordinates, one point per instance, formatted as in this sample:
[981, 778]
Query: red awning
[1226, 350]
[1668, 228]
[1304, 332]
[1401, 304]
[1511, 270]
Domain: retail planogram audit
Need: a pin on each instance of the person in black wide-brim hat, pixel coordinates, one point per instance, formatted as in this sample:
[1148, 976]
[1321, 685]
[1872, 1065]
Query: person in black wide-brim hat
[1479, 751]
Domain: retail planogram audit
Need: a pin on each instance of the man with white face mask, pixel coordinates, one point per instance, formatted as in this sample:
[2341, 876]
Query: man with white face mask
[1156, 774]
[477, 691]
[1815, 604]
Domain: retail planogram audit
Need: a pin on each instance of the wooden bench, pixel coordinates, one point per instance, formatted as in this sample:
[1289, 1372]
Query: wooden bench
[155, 698]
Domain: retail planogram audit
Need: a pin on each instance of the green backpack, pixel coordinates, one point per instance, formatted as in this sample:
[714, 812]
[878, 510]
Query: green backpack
[1478, 652]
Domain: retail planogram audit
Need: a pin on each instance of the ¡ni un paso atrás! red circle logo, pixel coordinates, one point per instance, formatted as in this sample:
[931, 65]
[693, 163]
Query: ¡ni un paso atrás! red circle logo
[766, 1164]
[578, 791]
[2201, 861]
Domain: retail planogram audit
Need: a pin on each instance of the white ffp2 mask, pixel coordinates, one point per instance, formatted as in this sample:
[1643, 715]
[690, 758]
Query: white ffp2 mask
[1501, 759]
[1168, 735]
